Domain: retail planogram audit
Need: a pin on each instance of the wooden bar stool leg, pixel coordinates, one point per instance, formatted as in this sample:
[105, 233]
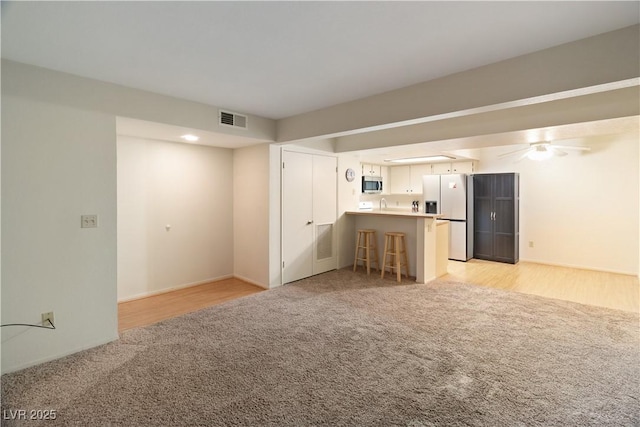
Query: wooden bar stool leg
[355, 260]
[367, 250]
[384, 256]
[374, 248]
[398, 259]
[406, 256]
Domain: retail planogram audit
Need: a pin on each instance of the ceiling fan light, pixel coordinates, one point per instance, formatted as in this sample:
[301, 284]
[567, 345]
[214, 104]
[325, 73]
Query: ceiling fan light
[540, 153]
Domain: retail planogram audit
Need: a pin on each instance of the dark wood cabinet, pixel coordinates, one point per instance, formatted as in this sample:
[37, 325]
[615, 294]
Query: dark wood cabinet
[496, 201]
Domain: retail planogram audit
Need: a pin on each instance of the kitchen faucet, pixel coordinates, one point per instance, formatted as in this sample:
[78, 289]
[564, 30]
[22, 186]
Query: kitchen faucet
[385, 203]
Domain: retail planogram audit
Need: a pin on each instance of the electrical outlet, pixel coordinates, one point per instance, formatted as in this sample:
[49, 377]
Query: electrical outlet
[530, 243]
[89, 221]
[46, 317]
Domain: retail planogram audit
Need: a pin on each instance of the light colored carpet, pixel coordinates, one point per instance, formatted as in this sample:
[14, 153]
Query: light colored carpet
[342, 348]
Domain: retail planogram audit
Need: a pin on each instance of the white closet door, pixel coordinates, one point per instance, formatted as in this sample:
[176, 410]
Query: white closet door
[297, 216]
[309, 204]
[324, 213]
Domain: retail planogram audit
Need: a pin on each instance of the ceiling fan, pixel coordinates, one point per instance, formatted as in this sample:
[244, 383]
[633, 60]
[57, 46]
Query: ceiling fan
[542, 151]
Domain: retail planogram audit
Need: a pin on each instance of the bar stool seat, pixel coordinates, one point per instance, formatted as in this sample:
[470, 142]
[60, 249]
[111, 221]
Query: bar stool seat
[365, 246]
[395, 249]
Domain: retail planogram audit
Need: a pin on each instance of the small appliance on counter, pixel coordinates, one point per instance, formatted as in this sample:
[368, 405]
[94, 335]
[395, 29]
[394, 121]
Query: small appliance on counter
[365, 206]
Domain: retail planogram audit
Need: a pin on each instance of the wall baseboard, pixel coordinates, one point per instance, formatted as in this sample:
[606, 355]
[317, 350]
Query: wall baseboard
[174, 288]
[253, 282]
[580, 267]
[60, 355]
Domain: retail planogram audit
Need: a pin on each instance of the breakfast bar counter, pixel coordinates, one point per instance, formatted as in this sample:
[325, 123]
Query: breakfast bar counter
[426, 237]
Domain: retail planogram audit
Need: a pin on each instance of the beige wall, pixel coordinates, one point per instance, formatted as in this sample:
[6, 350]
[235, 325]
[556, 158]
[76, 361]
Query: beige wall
[57, 164]
[580, 210]
[348, 198]
[251, 214]
[190, 188]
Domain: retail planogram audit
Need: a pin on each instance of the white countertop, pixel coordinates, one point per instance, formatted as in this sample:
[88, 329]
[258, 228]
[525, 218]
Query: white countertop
[406, 213]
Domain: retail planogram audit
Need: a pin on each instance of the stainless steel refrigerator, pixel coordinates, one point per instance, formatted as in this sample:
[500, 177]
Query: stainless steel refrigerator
[452, 196]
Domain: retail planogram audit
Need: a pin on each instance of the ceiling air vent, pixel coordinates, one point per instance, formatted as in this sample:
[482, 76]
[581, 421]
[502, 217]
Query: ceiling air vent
[232, 119]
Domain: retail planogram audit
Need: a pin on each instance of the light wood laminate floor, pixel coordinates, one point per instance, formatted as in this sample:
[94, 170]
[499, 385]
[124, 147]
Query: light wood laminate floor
[617, 291]
[145, 311]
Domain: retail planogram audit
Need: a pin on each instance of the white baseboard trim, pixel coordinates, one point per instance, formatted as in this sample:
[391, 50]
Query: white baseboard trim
[580, 267]
[253, 282]
[60, 355]
[174, 288]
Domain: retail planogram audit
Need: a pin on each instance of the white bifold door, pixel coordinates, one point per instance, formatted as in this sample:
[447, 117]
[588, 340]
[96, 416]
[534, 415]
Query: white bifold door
[309, 206]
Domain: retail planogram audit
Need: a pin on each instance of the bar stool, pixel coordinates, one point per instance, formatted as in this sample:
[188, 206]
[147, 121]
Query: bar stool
[395, 247]
[365, 244]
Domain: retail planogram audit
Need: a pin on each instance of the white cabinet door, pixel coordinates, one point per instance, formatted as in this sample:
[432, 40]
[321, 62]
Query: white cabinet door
[462, 167]
[371, 170]
[417, 172]
[441, 168]
[309, 198]
[384, 174]
[400, 177]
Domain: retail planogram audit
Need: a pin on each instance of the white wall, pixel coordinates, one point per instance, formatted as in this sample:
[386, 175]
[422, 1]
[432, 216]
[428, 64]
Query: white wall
[348, 198]
[57, 164]
[275, 224]
[580, 210]
[190, 188]
[251, 214]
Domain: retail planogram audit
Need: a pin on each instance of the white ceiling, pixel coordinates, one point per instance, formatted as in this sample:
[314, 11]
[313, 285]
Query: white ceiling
[278, 59]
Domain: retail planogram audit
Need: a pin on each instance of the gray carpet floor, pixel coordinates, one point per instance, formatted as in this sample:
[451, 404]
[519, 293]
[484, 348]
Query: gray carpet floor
[345, 349]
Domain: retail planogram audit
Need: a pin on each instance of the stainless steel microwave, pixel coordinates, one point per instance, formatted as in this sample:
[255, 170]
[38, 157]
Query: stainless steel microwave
[371, 184]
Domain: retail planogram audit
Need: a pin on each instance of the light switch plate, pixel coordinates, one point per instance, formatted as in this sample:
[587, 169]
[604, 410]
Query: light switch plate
[89, 221]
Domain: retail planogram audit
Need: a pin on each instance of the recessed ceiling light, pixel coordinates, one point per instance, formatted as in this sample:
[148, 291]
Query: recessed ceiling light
[190, 138]
[420, 159]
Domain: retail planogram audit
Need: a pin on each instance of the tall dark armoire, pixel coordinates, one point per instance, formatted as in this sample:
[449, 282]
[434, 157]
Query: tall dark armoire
[496, 217]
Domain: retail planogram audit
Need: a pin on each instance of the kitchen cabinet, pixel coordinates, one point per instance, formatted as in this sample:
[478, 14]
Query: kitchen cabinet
[400, 179]
[462, 167]
[454, 167]
[407, 179]
[496, 217]
[384, 174]
[441, 168]
[371, 170]
[417, 172]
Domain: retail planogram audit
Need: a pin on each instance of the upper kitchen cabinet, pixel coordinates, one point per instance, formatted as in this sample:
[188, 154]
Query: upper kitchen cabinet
[462, 167]
[371, 170]
[384, 174]
[407, 179]
[454, 167]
